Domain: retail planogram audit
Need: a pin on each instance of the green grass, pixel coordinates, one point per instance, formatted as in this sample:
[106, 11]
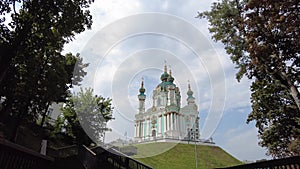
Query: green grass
[182, 156]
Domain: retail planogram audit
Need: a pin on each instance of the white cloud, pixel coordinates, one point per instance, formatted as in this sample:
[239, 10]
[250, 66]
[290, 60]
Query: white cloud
[242, 143]
[193, 56]
[103, 12]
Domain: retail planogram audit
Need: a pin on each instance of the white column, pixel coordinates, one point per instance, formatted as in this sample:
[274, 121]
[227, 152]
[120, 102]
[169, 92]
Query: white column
[161, 122]
[172, 125]
[182, 122]
[159, 125]
[149, 128]
[184, 125]
[135, 127]
[172, 121]
[169, 125]
[140, 129]
[179, 122]
[165, 123]
[175, 122]
[146, 128]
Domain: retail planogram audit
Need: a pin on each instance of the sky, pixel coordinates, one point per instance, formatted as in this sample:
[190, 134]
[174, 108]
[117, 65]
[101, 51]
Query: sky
[134, 39]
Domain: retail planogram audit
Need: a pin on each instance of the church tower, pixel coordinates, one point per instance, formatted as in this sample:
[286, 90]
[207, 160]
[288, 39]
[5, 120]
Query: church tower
[165, 119]
[193, 124]
[190, 99]
[142, 98]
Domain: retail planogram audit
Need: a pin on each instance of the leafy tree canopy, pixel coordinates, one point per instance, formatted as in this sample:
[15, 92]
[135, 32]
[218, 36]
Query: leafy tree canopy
[33, 70]
[277, 118]
[85, 113]
[262, 39]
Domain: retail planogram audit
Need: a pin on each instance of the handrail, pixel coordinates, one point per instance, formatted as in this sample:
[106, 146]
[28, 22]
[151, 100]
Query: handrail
[290, 162]
[100, 157]
[117, 152]
[13, 156]
[87, 157]
[24, 149]
[89, 150]
[65, 147]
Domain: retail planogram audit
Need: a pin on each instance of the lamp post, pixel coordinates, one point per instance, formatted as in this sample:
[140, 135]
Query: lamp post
[195, 147]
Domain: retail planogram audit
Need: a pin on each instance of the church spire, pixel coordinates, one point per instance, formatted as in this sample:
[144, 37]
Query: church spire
[165, 67]
[170, 78]
[190, 98]
[165, 75]
[142, 98]
[142, 89]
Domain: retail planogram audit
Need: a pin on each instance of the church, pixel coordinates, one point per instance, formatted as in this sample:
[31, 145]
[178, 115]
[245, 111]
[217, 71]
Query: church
[166, 119]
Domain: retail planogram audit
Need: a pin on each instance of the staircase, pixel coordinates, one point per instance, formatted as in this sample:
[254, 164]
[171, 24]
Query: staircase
[13, 156]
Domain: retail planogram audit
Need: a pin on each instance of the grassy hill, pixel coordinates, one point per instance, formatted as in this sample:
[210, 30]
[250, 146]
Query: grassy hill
[179, 156]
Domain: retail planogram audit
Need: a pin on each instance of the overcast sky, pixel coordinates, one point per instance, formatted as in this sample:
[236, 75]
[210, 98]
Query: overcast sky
[131, 40]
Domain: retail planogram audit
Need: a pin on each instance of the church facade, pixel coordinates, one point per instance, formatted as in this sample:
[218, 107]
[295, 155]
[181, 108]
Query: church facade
[166, 119]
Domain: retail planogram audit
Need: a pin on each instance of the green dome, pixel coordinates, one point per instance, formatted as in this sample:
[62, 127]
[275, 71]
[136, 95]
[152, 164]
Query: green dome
[170, 78]
[164, 76]
[142, 89]
[190, 93]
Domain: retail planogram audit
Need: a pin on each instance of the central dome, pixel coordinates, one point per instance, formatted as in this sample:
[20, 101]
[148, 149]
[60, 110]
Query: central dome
[164, 76]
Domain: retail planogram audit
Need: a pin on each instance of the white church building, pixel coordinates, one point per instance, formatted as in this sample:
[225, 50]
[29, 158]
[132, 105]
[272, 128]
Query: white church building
[166, 119]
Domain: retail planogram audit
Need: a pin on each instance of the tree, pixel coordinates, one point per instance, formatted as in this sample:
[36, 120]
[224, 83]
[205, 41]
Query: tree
[73, 66]
[262, 39]
[276, 116]
[33, 70]
[85, 113]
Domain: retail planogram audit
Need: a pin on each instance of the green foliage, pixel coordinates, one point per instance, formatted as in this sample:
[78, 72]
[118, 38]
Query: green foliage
[84, 117]
[262, 39]
[33, 70]
[225, 26]
[277, 118]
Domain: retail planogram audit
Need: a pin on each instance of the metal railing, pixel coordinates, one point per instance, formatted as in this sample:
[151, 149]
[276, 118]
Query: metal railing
[99, 157]
[13, 156]
[285, 163]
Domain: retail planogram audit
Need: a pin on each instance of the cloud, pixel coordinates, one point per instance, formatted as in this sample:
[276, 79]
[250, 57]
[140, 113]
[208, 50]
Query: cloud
[121, 52]
[242, 143]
